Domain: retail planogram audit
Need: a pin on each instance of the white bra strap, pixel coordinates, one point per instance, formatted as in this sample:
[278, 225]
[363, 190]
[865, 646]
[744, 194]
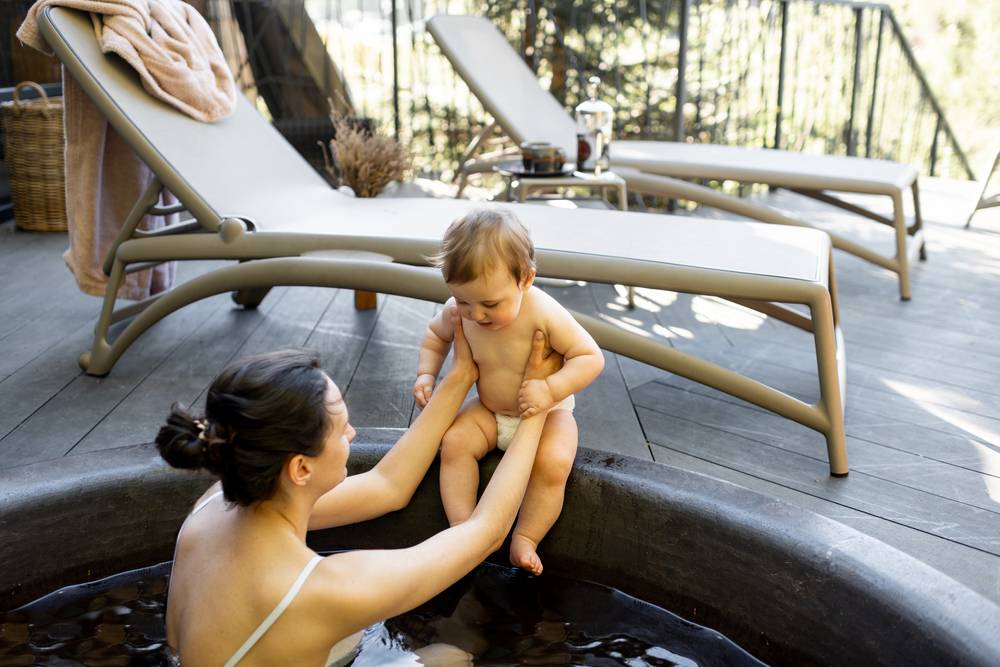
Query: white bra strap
[275, 614]
[206, 501]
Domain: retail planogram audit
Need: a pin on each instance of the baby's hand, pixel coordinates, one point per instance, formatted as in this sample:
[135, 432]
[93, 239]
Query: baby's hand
[534, 397]
[423, 388]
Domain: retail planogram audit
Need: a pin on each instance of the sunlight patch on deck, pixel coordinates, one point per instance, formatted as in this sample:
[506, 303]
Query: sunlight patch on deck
[726, 313]
[623, 325]
[925, 398]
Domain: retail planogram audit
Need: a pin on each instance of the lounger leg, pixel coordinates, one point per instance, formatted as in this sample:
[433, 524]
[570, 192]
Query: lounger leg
[95, 361]
[623, 206]
[142, 206]
[902, 256]
[365, 300]
[466, 159]
[918, 220]
[250, 298]
[830, 385]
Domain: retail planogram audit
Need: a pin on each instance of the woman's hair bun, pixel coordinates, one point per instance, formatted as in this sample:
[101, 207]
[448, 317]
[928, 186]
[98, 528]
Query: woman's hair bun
[179, 442]
[259, 411]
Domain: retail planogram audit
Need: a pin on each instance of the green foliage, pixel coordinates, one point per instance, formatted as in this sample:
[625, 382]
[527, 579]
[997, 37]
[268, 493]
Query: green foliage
[957, 44]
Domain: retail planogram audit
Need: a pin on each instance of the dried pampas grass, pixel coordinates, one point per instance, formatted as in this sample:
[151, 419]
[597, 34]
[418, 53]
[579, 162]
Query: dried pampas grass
[364, 160]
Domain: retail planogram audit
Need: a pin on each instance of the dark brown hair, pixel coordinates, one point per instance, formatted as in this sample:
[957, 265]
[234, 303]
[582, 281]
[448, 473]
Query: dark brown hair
[482, 240]
[259, 411]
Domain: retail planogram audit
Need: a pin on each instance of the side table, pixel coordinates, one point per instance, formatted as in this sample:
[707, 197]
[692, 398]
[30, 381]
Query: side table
[601, 181]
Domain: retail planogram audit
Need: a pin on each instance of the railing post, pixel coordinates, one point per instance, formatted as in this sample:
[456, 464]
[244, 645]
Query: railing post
[781, 74]
[681, 94]
[925, 87]
[531, 35]
[852, 144]
[871, 107]
[395, 72]
[934, 145]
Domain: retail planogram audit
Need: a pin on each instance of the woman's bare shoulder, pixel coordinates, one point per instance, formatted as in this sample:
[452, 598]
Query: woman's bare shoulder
[334, 574]
[329, 593]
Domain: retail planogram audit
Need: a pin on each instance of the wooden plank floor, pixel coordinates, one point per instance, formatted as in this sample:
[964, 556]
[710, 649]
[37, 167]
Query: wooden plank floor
[923, 407]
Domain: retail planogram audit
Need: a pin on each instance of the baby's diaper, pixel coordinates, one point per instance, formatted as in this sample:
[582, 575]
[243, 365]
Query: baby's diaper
[507, 424]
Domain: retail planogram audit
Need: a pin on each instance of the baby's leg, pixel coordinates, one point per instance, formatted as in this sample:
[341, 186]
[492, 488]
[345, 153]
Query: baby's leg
[473, 434]
[543, 499]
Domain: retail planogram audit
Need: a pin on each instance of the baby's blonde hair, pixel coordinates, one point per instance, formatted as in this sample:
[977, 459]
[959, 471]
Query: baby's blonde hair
[483, 240]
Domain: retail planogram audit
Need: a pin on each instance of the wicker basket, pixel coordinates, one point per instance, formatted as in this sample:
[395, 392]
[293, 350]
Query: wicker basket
[34, 147]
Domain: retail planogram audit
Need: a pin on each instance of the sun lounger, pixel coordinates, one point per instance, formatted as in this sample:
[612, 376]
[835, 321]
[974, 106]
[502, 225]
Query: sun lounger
[524, 111]
[986, 201]
[257, 202]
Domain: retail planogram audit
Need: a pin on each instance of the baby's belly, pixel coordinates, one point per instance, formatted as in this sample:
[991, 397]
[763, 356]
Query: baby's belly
[498, 389]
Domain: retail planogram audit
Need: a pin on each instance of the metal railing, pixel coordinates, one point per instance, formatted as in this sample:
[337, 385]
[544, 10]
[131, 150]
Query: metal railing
[824, 76]
[819, 76]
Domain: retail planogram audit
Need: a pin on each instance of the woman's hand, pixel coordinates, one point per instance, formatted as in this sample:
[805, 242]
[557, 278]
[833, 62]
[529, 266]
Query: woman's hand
[462, 362]
[535, 396]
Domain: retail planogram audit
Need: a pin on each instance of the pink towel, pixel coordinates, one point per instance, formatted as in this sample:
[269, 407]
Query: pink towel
[178, 60]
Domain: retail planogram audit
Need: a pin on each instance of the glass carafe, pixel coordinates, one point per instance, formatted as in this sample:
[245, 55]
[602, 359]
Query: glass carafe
[593, 130]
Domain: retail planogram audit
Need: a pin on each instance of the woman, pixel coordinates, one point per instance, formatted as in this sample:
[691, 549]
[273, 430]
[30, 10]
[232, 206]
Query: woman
[245, 589]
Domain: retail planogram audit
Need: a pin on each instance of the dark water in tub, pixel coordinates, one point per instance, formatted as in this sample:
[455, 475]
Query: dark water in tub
[499, 615]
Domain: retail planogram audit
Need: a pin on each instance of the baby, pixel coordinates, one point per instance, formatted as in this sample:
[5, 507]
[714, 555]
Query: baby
[487, 259]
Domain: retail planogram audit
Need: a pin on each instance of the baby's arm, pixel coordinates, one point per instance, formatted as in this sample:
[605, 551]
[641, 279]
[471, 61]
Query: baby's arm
[584, 361]
[433, 350]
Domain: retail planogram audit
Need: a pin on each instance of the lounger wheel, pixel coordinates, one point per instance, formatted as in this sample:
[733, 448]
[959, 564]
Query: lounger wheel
[251, 297]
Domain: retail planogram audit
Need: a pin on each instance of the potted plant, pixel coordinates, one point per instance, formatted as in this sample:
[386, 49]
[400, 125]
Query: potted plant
[364, 161]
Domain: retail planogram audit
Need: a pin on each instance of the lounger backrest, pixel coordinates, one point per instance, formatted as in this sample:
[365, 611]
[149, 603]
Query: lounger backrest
[215, 169]
[506, 86]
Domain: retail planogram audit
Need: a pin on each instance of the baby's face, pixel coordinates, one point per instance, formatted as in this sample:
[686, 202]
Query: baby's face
[492, 300]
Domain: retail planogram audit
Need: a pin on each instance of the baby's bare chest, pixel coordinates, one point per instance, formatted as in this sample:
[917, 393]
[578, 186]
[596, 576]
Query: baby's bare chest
[501, 360]
[506, 349]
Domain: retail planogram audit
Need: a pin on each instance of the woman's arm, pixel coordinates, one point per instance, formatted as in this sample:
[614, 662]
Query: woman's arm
[366, 586]
[584, 361]
[390, 484]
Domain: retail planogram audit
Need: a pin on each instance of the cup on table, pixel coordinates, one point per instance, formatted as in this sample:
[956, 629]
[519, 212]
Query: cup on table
[542, 157]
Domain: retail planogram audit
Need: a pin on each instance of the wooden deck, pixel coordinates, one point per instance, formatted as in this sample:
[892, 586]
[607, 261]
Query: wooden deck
[923, 406]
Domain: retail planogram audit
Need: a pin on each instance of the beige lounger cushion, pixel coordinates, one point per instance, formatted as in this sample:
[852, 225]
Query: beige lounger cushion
[732, 246]
[764, 165]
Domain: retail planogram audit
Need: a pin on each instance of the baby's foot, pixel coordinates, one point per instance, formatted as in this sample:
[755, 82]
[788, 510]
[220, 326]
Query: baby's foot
[523, 555]
[443, 655]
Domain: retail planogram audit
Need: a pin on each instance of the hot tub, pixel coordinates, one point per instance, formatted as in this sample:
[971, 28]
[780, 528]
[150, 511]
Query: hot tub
[788, 585]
